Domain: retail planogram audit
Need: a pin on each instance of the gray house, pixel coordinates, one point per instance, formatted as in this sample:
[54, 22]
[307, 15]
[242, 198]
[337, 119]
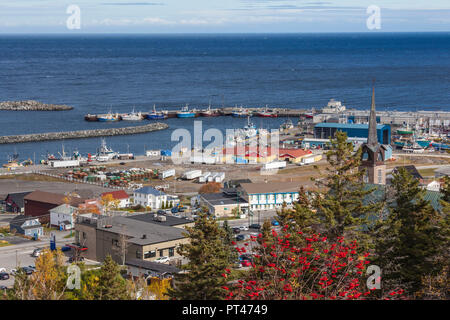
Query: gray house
[29, 226]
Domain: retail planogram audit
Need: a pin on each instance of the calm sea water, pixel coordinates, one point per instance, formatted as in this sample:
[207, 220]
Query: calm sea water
[96, 73]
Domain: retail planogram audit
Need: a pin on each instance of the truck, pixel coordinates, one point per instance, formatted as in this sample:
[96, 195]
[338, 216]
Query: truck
[65, 163]
[203, 178]
[307, 160]
[166, 174]
[274, 165]
[219, 177]
[190, 175]
[126, 156]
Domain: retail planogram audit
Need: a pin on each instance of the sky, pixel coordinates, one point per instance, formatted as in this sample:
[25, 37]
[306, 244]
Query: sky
[224, 16]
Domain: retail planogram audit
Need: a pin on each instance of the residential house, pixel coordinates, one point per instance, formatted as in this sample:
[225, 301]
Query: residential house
[121, 196]
[63, 216]
[149, 197]
[14, 202]
[28, 226]
[150, 269]
[268, 196]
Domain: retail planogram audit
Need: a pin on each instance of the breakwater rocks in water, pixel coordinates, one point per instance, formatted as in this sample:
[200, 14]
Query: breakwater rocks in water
[82, 133]
[32, 105]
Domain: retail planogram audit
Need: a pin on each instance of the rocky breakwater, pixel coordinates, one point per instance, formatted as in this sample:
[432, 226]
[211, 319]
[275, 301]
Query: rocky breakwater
[32, 105]
[82, 133]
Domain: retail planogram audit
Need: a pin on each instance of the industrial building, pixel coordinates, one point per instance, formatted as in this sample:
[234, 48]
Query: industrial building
[326, 130]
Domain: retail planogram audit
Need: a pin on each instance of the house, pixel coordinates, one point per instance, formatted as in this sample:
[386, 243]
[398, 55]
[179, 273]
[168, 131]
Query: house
[14, 202]
[293, 155]
[222, 204]
[434, 186]
[28, 226]
[267, 196]
[142, 236]
[63, 216]
[149, 197]
[38, 203]
[121, 196]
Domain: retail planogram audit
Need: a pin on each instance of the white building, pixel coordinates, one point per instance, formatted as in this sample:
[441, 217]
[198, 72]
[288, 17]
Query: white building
[333, 107]
[434, 186]
[121, 196]
[149, 197]
[269, 196]
[63, 216]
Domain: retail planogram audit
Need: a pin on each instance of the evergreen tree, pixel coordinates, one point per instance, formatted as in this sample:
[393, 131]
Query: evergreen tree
[228, 241]
[208, 258]
[411, 238]
[111, 285]
[341, 205]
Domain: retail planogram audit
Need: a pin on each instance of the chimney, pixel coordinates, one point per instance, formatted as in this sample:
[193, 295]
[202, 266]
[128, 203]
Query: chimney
[144, 236]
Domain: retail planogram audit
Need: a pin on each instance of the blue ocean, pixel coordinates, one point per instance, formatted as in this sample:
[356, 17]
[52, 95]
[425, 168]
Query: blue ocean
[96, 73]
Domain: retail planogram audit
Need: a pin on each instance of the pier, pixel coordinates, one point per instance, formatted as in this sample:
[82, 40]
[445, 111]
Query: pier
[35, 137]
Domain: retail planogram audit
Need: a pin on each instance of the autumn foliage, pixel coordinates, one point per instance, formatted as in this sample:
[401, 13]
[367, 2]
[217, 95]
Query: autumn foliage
[316, 269]
[210, 187]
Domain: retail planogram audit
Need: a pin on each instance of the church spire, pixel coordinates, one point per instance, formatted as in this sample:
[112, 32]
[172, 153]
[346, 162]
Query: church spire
[372, 139]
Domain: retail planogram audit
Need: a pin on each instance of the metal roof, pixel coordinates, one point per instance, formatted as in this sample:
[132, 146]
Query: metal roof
[348, 125]
[149, 190]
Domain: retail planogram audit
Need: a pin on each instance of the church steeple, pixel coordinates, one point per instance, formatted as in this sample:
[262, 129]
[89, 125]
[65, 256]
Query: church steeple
[372, 139]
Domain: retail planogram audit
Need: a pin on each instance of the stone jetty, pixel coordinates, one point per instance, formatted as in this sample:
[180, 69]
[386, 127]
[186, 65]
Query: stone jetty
[82, 133]
[32, 105]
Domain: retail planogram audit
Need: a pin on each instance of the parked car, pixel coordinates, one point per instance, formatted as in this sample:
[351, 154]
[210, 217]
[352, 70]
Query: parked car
[180, 209]
[65, 248]
[275, 223]
[243, 228]
[236, 230]
[4, 276]
[13, 272]
[2, 269]
[162, 259]
[28, 271]
[255, 226]
[174, 210]
[240, 237]
[160, 211]
[3, 287]
[36, 252]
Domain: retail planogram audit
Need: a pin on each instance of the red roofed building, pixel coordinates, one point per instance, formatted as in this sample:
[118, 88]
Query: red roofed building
[293, 155]
[121, 195]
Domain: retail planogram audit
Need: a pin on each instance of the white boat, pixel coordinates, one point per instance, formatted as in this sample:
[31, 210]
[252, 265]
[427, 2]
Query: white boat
[133, 116]
[105, 153]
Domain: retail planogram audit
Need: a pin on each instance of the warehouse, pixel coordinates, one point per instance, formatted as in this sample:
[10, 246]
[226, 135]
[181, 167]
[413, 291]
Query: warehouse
[326, 130]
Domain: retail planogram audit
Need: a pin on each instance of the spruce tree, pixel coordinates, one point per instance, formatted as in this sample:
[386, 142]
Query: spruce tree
[208, 257]
[341, 203]
[410, 239]
[228, 241]
[111, 285]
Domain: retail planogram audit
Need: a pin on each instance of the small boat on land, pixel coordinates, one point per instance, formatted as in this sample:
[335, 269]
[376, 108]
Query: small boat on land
[185, 113]
[133, 116]
[210, 112]
[287, 125]
[240, 113]
[154, 115]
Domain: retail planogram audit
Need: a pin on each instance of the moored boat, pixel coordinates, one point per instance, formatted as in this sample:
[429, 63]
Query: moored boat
[108, 117]
[266, 114]
[185, 113]
[240, 113]
[133, 116]
[154, 115]
[210, 112]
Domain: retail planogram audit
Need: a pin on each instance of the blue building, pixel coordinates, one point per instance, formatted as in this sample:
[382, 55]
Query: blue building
[326, 130]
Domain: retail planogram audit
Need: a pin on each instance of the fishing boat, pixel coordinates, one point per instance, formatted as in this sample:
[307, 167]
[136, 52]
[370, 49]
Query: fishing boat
[185, 113]
[133, 116]
[13, 161]
[266, 113]
[90, 117]
[413, 148]
[287, 125]
[108, 117]
[154, 115]
[209, 112]
[240, 113]
[104, 153]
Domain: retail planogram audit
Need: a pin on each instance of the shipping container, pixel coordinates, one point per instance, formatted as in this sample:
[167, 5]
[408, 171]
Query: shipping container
[65, 163]
[166, 174]
[189, 175]
[219, 177]
[204, 177]
[274, 165]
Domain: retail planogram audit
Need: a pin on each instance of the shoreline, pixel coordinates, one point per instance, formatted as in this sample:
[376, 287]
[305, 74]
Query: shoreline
[32, 105]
